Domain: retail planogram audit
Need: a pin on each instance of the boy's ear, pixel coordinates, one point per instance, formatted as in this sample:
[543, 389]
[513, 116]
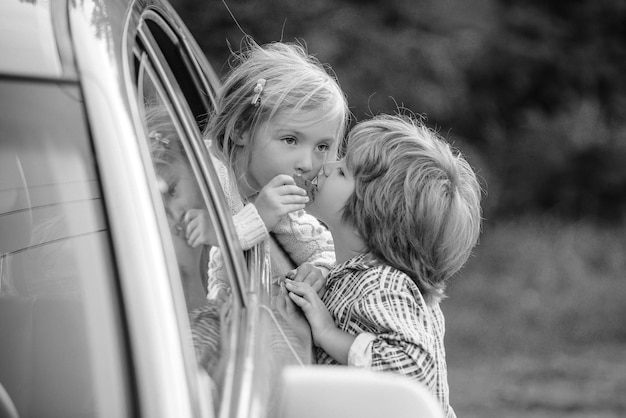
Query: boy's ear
[243, 138]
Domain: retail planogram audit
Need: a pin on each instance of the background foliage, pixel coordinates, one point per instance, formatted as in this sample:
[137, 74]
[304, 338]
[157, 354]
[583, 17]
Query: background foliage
[532, 90]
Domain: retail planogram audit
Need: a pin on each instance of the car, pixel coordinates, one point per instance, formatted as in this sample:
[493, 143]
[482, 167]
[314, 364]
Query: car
[98, 308]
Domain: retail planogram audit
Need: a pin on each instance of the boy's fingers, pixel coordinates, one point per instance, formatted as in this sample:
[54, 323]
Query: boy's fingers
[297, 276]
[292, 286]
[297, 299]
[317, 286]
[299, 288]
[294, 207]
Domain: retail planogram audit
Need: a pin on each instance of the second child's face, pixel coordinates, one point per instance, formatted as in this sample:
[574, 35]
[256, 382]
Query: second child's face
[290, 143]
[335, 185]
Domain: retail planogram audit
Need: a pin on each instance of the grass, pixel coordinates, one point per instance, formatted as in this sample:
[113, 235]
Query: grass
[535, 323]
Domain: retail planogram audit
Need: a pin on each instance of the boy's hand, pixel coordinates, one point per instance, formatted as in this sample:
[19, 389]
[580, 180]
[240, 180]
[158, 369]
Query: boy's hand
[199, 230]
[279, 197]
[320, 320]
[311, 274]
[293, 314]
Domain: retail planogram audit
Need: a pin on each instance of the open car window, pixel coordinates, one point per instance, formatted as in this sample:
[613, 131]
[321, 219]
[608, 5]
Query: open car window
[171, 83]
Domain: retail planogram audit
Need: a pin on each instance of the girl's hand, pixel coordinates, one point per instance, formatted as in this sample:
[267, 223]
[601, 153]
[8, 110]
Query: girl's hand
[311, 274]
[279, 197]
[199, 230]
[320, 320]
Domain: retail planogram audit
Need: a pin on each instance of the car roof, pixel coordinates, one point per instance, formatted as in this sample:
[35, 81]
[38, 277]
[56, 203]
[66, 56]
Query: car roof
[35, 35]
[28, 38]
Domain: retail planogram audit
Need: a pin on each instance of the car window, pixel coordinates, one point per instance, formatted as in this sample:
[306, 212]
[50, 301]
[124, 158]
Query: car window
[172, 78]
[55, 259]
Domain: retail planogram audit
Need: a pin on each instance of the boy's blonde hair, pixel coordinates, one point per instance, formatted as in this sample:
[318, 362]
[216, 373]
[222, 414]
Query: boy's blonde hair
[416, 202]
[294, 80]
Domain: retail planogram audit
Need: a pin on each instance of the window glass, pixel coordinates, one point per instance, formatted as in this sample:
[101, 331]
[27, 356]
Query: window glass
[54, 250]
[181, 199]
[190, 226]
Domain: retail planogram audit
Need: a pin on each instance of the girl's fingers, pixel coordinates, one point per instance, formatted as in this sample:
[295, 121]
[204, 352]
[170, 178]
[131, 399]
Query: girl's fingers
[285, 185]
[191, 240]
[286, 203]
[191, 231]
[293, 190]
[294, 207]
[190, 215]
[281, 180]
[193, 236]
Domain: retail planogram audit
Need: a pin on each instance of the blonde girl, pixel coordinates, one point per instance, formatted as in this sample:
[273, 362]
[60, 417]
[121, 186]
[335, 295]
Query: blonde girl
[280, 114]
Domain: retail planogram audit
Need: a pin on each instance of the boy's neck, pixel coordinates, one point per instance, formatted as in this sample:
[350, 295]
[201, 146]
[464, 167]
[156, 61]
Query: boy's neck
[348, 244]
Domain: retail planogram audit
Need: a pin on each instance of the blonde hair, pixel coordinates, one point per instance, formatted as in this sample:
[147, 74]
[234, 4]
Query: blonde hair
[294, 80]
[416, 202]
[165, 145]
[164, 140]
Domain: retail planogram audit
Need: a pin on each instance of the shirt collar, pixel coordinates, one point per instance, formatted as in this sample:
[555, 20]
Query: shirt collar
[360, 262]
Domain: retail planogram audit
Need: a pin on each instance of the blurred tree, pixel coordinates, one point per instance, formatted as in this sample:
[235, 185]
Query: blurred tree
[549, 99]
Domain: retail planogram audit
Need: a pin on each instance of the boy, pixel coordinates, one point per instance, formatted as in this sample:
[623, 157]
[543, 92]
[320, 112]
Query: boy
[404, 212]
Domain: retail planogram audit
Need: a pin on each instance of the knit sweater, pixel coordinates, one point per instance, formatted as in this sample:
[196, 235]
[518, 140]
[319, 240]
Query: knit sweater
[300, 234]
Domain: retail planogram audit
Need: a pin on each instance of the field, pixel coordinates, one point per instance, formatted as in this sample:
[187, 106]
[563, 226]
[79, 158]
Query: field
[535, 323]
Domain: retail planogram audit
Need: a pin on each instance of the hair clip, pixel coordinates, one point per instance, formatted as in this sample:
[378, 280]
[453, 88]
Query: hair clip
[156, 135]
[258, 89]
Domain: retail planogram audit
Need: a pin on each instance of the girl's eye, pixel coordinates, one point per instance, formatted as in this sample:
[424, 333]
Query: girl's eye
[172, 190]
[290, 140]
[323, 147]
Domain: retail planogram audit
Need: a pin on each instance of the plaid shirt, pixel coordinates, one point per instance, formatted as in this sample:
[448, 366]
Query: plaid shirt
[396, 331]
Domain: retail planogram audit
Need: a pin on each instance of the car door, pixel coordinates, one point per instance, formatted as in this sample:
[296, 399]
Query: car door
[57, 271]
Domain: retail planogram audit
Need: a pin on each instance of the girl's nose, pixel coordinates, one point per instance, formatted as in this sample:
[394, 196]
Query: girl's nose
[162, 184]
[305, 163]
[173, 208]
[173, 212]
